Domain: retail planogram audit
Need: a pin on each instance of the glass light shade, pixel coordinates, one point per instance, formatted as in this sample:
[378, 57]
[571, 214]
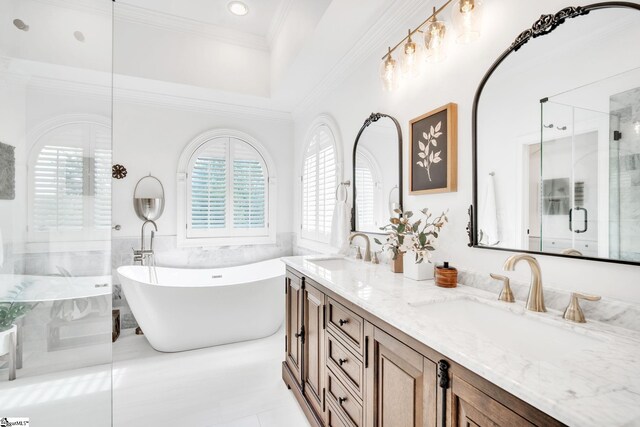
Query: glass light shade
[467, 20]
[435, 40]
[390, 73]
[411, 58]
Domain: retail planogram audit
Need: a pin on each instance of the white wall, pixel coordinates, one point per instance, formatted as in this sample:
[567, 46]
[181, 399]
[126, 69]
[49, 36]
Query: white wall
[456, 80]
[149, 139]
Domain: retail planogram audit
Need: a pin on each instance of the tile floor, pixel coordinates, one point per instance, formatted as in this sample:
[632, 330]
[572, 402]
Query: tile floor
[235, 385]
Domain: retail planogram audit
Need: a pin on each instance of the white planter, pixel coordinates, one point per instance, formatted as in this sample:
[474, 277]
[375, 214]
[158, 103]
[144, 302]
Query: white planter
[413, 271]
[8, 342]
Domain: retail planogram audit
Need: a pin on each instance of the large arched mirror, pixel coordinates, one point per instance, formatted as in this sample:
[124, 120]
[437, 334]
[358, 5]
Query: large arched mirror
[556, 138]
[377, 173]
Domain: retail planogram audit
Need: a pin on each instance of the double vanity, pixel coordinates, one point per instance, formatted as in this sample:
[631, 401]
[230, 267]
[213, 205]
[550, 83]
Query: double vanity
[367, 347]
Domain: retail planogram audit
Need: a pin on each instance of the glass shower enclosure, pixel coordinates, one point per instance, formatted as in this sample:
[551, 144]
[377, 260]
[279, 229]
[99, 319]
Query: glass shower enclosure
[588, 171]
[55, 212]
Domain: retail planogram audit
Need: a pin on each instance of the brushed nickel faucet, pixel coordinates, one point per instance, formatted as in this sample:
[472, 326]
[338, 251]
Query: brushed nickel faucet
[143, 254]
[573, 311]
[367, 248]
[535, 301]
[572, 252]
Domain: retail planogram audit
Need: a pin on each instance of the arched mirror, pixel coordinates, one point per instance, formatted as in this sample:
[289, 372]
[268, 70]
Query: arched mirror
[148, 198]
[556, 138]
[377, 173]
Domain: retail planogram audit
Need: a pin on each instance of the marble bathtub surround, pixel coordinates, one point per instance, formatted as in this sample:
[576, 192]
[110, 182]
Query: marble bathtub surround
[580, 374]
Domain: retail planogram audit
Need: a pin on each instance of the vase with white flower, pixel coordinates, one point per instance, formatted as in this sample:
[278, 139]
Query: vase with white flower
[420, 243]
[394, 244]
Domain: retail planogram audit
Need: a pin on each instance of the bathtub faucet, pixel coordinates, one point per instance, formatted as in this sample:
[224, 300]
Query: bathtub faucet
[143, 254]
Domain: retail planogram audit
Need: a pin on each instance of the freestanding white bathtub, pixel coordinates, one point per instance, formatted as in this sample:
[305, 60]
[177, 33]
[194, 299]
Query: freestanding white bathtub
[195, 308]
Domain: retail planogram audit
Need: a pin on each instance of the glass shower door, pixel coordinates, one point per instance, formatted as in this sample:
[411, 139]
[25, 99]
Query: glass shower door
[55, 212]
[574, 170]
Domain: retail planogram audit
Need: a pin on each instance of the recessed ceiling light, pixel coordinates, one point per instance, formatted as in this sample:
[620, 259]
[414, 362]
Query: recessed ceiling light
[19, 24]
[238, 8]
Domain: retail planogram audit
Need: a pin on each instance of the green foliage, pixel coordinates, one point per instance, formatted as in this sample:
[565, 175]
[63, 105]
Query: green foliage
[11, 310]
[418, 237]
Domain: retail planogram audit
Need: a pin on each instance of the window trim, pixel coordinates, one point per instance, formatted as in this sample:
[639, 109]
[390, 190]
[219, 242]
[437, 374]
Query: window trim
[90, 238]
[183, 186]
[305, 241]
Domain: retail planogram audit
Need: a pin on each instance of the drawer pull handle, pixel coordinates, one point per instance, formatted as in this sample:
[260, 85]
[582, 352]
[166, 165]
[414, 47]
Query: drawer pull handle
[343, 322]
[342, 361]
[341, 400]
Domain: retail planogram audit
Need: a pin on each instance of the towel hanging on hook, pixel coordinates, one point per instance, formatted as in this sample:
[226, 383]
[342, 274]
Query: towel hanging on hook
[346, 194]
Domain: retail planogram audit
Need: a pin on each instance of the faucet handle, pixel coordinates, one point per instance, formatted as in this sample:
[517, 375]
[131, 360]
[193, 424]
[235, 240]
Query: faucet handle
[374, 258]
[573, 312]
[358, 253]
[506, 294]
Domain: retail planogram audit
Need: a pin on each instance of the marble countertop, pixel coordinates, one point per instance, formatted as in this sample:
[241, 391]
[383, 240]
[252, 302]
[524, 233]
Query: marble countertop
[595, 385]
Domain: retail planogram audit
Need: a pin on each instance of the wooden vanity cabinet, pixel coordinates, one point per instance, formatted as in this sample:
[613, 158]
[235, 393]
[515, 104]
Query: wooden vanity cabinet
[313, 353]
[293, 326]
[401, 388]
[348, 368]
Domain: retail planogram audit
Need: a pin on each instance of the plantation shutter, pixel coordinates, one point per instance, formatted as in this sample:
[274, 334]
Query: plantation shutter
[249, 187]
[229, 190]
[71, 180]
[366, 193]
[318, 185]
[102, 179]
[209, 187]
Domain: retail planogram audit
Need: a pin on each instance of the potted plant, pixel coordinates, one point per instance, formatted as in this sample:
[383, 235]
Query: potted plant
[394, 244]
[10, 311]
[420, 241]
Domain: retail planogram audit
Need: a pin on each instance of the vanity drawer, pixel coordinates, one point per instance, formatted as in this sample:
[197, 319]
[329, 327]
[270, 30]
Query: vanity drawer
[345, 364]
[343, 401]
[346, 325]
[333, 419]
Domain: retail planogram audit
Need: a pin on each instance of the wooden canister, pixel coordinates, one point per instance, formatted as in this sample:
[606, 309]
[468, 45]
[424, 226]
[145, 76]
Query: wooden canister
[446, 277]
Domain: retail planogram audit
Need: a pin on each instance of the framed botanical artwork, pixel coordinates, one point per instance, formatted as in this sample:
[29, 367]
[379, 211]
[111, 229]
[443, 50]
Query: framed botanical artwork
[433, 151]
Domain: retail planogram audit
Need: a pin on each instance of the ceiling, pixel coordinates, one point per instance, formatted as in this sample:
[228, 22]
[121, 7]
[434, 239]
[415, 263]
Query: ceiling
[215, 12]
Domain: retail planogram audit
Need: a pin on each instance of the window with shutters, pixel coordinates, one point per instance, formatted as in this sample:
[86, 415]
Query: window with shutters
[70, 184]
[318, 182]
[227, 192]
[367, 194]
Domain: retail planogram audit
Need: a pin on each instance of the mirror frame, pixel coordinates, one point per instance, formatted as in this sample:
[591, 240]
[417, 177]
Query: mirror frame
[374, 117]
[543, 26]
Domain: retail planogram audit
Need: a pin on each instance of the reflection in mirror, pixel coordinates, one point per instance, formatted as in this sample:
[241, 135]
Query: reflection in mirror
[148, 198]
[558, 142]
[377, 173]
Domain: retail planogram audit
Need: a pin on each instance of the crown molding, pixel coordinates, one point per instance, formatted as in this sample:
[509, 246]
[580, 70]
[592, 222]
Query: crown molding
[122, 12]
[133, 94]
[278, 20]
[387, 26]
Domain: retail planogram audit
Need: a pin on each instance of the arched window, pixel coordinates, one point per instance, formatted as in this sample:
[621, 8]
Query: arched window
[227, 190]
[70, 182]
[368, 195]
[320, 171]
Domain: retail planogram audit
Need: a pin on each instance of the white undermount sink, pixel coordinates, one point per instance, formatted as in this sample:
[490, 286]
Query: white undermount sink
[512, 332]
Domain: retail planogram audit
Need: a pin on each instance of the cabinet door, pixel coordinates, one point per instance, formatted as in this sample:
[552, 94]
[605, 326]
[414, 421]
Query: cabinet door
[293, 339]
[401, 384]
[473, 408]
[313, 372]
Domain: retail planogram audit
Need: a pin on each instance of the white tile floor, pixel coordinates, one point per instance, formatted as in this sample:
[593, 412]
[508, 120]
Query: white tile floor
[236, 385]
